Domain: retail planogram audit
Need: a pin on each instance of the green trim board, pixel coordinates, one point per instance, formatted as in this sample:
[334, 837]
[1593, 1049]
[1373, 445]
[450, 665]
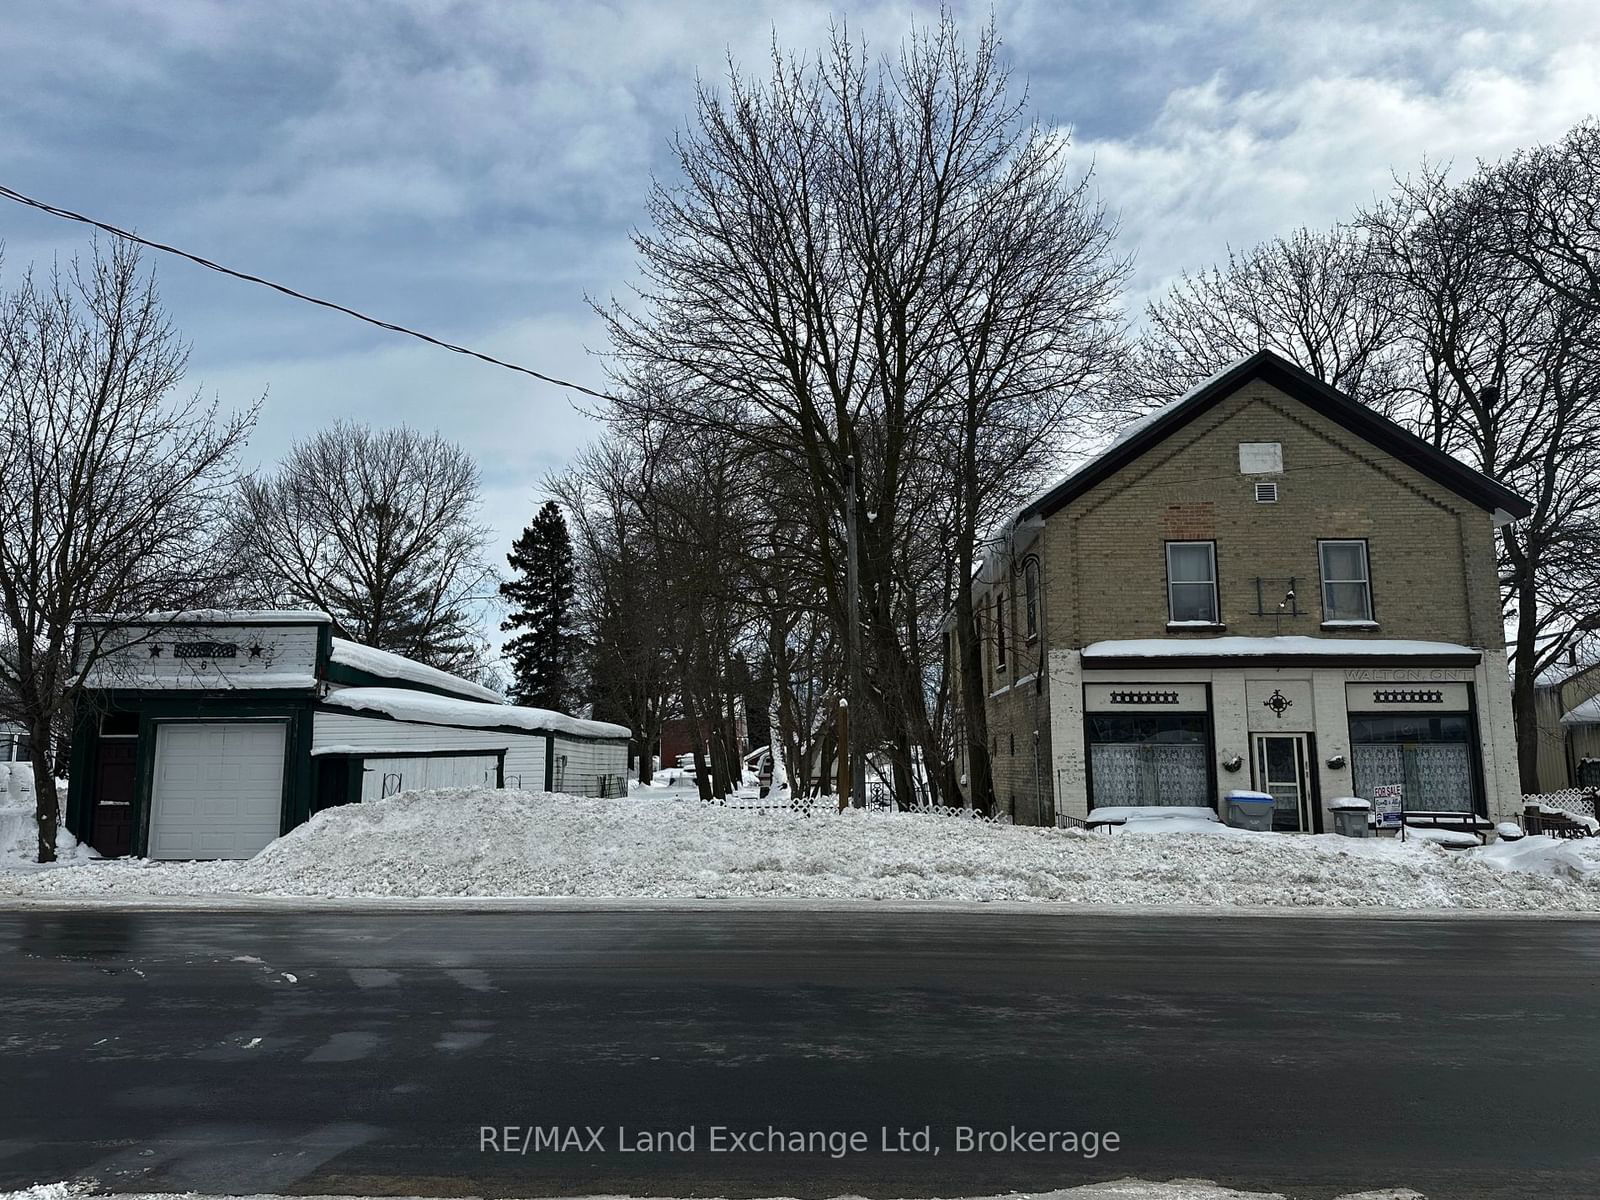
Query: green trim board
[164, 707]
[337, 672]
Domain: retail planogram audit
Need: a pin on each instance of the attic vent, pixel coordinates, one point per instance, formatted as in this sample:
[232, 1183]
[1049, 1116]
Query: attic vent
[1266, 493]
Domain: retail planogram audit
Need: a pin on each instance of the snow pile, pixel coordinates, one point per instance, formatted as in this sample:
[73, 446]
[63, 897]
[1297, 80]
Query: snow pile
[19, 829]
[483, 842]
[1576, 859]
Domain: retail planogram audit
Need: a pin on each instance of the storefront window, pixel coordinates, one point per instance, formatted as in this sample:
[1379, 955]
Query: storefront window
[1430, 756]
[1148, 759]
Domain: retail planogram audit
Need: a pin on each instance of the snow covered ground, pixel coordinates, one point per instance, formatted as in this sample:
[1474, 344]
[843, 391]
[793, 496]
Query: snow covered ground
[19, 830]
[488, 843]
[1122, 1189]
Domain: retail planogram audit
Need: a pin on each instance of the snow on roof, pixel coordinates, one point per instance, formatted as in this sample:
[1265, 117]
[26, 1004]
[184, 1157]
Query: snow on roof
[1587, 713]
[1246, 647]
[215, 616]
[404, 704]
[387, 665]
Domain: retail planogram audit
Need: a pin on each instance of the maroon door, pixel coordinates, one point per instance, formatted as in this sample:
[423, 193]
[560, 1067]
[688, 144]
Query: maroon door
[112, 830]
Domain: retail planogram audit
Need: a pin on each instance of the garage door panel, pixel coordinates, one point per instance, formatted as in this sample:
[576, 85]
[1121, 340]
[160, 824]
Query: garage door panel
[218, 789]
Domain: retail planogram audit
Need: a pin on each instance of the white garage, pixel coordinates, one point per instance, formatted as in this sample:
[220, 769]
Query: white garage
[218, 788]
[209, 734]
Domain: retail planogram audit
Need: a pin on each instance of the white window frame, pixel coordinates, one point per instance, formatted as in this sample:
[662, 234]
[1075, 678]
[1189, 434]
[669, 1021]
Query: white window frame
[1365, 581]
[1216, 598]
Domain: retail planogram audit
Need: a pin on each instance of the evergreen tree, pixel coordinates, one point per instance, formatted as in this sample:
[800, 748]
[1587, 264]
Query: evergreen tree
[540, 595]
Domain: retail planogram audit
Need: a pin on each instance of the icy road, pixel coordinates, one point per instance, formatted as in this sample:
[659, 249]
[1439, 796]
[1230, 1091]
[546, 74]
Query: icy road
[369, 1053]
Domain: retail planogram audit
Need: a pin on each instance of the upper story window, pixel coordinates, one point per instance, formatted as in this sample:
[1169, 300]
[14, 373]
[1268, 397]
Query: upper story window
[1030, 594]
[1346, 581]
[1192, 583]
[1000, 631]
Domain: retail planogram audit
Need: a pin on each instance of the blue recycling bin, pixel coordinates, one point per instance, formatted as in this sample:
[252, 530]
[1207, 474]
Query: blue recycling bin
[1249, 810]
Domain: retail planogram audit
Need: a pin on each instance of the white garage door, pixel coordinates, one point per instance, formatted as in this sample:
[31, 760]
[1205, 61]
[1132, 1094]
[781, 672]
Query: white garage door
[218, 789]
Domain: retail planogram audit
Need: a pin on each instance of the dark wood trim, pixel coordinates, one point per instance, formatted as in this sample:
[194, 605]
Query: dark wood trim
[337, 672]
[156, 708]
[1290, 379]
[1124, 662]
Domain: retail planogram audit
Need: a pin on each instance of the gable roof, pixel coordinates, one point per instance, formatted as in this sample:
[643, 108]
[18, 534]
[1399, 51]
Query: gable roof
[1293, 381]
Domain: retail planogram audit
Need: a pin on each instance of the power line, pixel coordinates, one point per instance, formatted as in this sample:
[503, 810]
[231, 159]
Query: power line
[69, 215]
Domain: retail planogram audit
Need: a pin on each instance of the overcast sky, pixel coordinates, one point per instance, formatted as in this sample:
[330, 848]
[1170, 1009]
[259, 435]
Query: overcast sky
[474, 169]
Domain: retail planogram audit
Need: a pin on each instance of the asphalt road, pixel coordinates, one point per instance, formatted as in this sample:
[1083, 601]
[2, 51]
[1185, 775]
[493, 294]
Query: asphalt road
[320, 1052]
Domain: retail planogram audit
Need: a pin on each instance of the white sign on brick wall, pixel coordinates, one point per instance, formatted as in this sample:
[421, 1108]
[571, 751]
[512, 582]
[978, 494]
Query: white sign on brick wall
[1260, 458]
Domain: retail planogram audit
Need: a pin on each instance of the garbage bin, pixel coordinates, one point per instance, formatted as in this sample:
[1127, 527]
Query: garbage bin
[1352, 816]
[1250, 810]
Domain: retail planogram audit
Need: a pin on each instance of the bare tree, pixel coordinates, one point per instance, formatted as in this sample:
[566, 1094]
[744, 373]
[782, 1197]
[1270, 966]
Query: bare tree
[623, 615]
[1547, 207]
[1507, 377]
[1309, 297]
[115, 492]
[379, 528]
[855, 251]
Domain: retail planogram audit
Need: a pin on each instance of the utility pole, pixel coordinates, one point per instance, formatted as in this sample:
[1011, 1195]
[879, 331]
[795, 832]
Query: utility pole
[842, 717]
[852, 576]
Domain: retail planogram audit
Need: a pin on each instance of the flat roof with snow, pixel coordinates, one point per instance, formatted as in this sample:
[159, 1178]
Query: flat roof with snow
[387, 665]
[403, 704]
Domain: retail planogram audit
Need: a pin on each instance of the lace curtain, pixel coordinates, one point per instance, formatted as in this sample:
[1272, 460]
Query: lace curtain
[1145, 774]
[1437, 776]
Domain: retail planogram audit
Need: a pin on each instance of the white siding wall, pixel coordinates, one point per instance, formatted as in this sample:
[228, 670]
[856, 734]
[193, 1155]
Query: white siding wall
[416, 773]
[524, 752]
[288, 657]
[585, 761]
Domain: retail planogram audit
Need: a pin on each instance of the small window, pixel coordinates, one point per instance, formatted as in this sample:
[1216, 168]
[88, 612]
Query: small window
[1346, 586]
[1030, 590]
[119, 724]
[1192, 583]
[1000, 631]
[1266, 493]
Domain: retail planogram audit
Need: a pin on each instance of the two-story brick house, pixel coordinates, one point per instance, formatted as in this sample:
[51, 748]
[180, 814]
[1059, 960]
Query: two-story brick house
[1263, 585]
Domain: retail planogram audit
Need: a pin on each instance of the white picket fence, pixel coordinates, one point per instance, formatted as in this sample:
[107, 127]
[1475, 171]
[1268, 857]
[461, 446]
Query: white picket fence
[1580, 802]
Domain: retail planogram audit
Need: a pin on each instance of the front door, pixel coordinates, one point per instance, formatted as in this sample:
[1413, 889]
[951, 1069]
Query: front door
[111, 832]
[1280, 771]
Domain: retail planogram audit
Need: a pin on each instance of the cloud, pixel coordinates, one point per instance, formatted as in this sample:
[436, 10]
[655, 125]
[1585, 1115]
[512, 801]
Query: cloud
[475, 169]
[1230, 162]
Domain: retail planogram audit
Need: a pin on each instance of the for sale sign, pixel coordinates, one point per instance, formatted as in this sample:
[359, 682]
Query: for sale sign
[1388, 799]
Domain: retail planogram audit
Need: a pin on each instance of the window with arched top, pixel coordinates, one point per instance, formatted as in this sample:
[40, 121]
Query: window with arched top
[1030, 597]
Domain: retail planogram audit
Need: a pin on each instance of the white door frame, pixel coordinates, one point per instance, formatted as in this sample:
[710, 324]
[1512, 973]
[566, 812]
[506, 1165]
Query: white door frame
[1302, 784]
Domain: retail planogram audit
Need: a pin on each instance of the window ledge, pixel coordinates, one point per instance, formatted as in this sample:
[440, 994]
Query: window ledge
[1195, 627]
[1350, 625]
